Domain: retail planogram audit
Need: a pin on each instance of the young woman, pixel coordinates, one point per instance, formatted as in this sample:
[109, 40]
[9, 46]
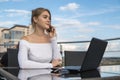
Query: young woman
[39, 49]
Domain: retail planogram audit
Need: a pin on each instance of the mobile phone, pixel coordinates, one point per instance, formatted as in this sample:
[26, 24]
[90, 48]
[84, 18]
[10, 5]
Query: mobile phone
[50, 29]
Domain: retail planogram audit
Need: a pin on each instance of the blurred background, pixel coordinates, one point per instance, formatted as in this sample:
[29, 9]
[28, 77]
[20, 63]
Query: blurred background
[76, 21]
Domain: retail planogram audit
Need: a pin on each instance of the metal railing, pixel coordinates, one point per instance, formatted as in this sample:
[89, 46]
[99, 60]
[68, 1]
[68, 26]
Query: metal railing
[111, 55]
[111, 43]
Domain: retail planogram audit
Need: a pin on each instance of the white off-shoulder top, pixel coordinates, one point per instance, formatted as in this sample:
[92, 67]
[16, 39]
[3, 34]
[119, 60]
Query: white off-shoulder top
[37, 55]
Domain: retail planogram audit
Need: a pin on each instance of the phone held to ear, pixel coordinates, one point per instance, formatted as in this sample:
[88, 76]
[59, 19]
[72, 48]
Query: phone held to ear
[50, 29]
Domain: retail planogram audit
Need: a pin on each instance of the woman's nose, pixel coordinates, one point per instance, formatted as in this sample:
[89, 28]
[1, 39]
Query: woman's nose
[49, 20]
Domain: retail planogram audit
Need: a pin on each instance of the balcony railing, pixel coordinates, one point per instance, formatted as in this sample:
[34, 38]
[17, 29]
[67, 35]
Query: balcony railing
[111, 55]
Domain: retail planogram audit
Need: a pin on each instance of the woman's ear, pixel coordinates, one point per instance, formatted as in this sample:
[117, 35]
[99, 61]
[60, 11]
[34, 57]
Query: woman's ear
[35, 19]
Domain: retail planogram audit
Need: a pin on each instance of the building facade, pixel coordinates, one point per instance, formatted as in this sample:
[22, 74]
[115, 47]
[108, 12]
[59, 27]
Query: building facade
[9, 38]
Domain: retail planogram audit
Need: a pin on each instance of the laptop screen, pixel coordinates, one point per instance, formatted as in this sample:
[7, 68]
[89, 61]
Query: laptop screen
[94, 54]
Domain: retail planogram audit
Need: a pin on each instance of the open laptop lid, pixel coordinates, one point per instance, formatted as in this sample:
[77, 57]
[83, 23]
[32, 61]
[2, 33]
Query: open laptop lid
[94, 54]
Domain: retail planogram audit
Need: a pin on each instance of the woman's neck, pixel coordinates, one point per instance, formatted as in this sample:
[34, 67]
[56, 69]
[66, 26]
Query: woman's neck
[39, 31]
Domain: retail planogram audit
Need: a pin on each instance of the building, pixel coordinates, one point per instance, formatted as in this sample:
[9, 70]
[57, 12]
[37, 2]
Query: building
[10, 37]
[1, 39]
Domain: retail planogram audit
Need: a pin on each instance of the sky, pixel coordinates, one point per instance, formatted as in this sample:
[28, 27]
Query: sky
[74, 20]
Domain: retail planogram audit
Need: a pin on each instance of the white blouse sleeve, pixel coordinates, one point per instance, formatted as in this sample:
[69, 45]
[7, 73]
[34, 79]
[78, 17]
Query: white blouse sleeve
[56, 50]
[23, 60]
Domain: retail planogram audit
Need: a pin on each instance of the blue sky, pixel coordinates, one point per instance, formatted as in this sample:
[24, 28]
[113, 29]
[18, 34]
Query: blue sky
[74, 20]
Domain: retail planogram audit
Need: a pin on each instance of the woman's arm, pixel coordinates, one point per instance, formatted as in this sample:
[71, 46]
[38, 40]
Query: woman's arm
[23, 60]
[55, 49]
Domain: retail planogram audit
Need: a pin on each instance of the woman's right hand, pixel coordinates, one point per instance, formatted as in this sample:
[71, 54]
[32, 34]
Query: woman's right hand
[56, 62]
[52, 33]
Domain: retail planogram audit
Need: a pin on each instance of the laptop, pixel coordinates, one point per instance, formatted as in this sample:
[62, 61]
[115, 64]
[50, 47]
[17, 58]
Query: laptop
[92, 57]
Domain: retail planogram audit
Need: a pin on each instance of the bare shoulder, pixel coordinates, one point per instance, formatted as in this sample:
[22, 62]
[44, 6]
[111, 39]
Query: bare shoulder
[25, 38]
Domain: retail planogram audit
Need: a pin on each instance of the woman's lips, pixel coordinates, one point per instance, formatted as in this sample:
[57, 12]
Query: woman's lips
[48, 24]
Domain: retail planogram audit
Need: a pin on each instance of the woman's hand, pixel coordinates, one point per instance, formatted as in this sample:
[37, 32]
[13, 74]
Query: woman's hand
[56, 62]
[52, 33]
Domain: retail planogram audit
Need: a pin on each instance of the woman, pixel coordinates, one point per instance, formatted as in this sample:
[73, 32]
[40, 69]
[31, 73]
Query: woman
[39, 49]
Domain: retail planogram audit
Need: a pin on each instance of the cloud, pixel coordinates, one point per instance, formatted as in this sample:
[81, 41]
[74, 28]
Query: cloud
[86, 30]
[75, 24]
[97, 12]
[73, 29]
[93, 23]
[13, 16]
[7, 23]
[75, 47]
[115, 26]
[113, 46]
[112, 26]
[67, 22]
[15, 12]
[69, 47]
[70, 7]
[83, 36]
[88, 27]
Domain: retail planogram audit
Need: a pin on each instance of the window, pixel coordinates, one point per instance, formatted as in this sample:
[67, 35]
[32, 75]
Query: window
[16, 34]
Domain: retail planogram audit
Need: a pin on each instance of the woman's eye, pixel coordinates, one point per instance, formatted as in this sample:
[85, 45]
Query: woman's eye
[45, 16]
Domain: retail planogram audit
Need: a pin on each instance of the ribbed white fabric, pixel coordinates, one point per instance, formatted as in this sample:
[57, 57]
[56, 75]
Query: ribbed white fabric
[37, 55]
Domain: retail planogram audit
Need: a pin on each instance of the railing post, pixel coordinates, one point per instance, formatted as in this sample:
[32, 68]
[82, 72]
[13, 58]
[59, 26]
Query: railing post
[62, 53]
[61, 49]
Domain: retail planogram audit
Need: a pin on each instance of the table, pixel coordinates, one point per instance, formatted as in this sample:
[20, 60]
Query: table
[102, 73]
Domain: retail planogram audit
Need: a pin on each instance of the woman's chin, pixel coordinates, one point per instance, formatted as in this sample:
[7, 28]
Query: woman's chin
[47, 27]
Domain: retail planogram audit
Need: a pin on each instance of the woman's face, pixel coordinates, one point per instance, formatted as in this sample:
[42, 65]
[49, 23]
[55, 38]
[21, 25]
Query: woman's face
[43, 20]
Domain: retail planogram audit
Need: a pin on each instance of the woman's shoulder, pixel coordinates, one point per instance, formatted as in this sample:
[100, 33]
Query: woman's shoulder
[25, 39]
